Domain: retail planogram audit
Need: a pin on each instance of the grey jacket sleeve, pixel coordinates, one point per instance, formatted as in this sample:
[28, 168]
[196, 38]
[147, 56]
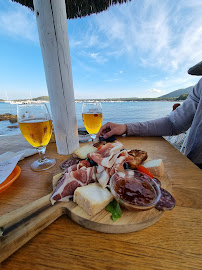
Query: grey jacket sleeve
[175, 123]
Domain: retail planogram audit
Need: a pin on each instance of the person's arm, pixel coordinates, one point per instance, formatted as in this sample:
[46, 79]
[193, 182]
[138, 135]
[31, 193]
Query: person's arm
[157, 127]
[175, 123]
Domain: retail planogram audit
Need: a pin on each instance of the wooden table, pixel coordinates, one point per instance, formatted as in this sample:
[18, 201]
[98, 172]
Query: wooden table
[174, 242]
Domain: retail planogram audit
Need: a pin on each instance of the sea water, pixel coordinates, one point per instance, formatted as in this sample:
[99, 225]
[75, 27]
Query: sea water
[118, 112]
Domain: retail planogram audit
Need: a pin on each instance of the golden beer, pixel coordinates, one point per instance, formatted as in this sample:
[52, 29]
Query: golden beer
[92, 122]
[37, 132]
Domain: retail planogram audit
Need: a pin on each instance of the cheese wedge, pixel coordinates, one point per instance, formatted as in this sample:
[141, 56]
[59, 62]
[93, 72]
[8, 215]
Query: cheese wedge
[155, 166]
[82, 151]
[92, 198]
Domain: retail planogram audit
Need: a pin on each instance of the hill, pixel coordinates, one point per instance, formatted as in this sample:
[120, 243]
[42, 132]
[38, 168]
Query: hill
[46, 98]
[177, 93]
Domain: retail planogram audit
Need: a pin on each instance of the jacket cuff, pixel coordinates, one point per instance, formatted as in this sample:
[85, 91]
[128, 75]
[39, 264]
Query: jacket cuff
[132, 129]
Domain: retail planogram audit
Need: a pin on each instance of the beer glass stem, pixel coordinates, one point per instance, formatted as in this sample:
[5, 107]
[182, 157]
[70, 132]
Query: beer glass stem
[93, 137]
[42, 151]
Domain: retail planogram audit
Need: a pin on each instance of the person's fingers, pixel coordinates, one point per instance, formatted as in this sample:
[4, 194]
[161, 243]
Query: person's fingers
[109, 134]
[103, 128]
[100, 132]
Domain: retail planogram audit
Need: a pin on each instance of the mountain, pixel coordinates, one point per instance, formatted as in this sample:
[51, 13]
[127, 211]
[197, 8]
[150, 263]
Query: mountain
[178, 92]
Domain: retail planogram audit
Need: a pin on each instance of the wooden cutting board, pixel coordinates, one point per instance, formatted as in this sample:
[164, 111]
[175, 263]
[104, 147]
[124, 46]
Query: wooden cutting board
[129, 222]
[19, 226]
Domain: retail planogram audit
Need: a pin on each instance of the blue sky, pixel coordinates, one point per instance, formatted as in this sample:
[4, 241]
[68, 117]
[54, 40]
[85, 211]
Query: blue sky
[139, 49]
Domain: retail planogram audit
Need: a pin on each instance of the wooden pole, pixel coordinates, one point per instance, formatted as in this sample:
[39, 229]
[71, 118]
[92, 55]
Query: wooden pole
[53, 35]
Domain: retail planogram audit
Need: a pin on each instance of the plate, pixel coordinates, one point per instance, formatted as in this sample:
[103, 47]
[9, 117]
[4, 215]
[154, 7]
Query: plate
[10, 179]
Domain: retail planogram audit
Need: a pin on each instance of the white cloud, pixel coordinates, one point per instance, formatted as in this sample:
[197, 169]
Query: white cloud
[19, 22]
[97, 57]
[165, 34]
[155, 90]
[175, 82]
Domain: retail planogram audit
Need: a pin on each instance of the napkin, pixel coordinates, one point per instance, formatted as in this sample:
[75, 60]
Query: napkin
[9, 160]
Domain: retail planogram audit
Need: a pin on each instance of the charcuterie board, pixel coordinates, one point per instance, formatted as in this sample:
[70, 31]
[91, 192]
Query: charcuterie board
[19, 226]
[129, 222]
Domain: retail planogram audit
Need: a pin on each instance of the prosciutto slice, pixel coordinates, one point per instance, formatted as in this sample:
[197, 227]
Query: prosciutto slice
[106, 155]
[70, 181]
[74, 167]
[122, 158]
[103, 173]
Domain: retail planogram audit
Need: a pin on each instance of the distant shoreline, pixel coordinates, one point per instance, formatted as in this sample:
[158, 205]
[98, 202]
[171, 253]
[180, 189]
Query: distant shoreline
[23, 101]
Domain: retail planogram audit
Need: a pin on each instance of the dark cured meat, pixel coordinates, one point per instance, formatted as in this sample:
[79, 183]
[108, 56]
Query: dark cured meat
[166, 202]
[98, 144]
[69, 162]
[82, 163]
[157, 181]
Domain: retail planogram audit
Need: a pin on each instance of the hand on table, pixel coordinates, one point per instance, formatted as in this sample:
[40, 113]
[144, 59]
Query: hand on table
[110, 129]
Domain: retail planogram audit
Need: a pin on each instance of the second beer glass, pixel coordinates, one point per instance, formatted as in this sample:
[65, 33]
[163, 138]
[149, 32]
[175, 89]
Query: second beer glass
[92, 117]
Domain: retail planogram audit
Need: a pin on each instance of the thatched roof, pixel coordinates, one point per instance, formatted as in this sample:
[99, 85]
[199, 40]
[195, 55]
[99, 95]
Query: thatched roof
[79, 8]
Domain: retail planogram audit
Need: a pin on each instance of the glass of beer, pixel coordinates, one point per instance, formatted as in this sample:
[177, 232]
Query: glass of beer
[36, 126]
[92, 117]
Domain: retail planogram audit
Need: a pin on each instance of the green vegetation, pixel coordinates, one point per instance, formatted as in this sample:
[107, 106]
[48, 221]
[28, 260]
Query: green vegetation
[44, 98]
[183, 97]
[114, 208]
[128, 99]
[178, 93]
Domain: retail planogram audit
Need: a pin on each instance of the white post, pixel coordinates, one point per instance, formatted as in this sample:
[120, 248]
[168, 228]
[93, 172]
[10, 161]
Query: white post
[53, 35]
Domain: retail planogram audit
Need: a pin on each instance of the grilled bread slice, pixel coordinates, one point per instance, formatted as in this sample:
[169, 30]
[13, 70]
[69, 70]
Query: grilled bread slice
[155, 166]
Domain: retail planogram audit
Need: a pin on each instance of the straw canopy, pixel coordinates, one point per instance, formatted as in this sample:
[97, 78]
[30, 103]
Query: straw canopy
[80, 8]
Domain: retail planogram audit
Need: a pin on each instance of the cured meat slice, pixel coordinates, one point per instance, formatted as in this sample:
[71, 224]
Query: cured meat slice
[69, 162]
[82, 163]
[166, 201]
[99, 144]
[139, 157]
[103, 175]
[122, 158]
[157, 181]
[71, 168]
[70, 181]
[106, 155]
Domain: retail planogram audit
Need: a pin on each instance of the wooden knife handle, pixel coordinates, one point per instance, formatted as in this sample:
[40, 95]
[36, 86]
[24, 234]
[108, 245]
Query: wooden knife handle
[19, 226]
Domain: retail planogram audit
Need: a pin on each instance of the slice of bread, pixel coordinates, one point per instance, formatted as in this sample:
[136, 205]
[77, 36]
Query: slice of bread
[92, 198]
[82, 151]
[155, 166]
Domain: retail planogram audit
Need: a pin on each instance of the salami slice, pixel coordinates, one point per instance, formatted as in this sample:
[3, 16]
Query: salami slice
[166, 201]
[69, 162]
[157, 181]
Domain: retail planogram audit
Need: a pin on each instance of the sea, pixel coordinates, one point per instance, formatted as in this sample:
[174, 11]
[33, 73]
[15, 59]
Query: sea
[118, 112]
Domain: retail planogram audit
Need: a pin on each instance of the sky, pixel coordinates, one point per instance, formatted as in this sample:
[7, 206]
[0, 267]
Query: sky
[139, 49]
